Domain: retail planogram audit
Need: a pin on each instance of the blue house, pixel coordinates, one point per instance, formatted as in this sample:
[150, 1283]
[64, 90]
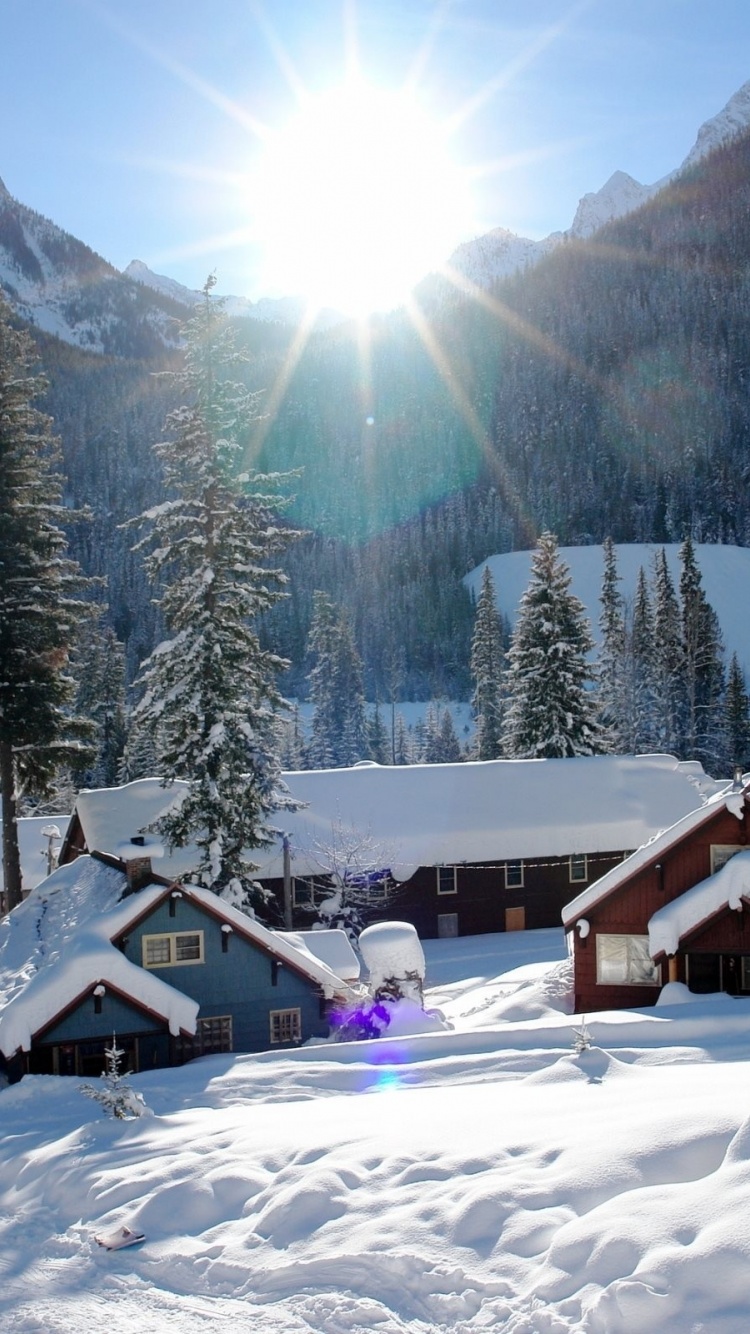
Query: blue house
[103, 945]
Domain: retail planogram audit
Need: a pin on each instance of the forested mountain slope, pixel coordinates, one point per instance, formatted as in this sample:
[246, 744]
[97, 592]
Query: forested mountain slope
[604, 392]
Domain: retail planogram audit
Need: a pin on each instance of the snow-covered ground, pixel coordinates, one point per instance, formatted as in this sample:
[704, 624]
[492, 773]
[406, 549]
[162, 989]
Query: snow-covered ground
[482, 1178]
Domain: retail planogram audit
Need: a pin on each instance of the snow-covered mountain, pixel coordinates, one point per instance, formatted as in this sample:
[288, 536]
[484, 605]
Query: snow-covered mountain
[282, 310]
[60, 285]
[499, 253]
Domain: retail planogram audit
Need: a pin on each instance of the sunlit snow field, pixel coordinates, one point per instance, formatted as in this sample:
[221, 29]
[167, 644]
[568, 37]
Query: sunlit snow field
[482, 1178]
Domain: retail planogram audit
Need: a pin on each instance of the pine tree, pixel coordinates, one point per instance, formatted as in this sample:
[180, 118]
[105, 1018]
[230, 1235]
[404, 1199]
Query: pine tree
[641, 730]
[612, 655]
[552, 712]
[378, 739]
[737, 719]
[487, 660]
[339, 723]
[101, 698]
[210, 693]
[702, 656]
[38, 611]
[669, 667]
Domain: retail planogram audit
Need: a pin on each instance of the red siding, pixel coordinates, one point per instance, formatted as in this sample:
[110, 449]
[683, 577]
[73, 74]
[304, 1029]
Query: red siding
[628, 910]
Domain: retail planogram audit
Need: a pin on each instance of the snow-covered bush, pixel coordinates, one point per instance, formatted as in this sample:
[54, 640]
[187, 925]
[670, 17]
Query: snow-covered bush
[394, 958]
[395, 1006]
[115, 1097]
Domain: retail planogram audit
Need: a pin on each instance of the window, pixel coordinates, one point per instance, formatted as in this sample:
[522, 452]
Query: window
[447, 925]
[211, 1036]
[447, 880]
[579, 867]
[172, 948]
[303, 891]
[721, 853]
[625, 960]
[514, 875]
[286, 1026]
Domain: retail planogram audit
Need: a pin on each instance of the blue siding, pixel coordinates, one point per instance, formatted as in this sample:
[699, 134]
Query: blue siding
[239, 982]
[83, 1024]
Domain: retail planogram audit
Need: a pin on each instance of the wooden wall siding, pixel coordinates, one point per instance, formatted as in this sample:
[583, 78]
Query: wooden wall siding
[239, 982]
[83, 1024]
[727, 933]
[629, 909]
[481, 898]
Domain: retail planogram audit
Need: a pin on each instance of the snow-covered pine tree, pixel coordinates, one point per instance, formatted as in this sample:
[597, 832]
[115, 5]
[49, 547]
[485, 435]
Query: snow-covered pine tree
[339, 723]
[378, 739]
[736, 719]
[551, 711]
[669, 667]
[101, 698]
[486, 664]
[641, 731]
[612, 654]
[38, 610]
[210, 694]
[702, 656]
[403, 753]
[113, 1094]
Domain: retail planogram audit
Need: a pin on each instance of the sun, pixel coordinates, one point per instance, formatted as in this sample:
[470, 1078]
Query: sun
[357, 198]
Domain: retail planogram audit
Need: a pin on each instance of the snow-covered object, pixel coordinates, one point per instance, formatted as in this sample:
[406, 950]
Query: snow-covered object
[273, 310]
[584, 926]
[110, 817]
[619, 195]
[725, 573]
[500, 253]
[726, 799]
[58, 944]
[329, 946]
[441, 814]
[33, 844]
[142, 845]
[676, 993]
[731, 121]
[392, 950]
[727, 888]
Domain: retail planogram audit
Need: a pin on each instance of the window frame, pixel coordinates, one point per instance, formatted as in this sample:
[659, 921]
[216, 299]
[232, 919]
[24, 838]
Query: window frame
[721, 853]
[440, 872]
[172, 937]
[275, 1021]
[578, 857]
[510, 882]
[633, 957]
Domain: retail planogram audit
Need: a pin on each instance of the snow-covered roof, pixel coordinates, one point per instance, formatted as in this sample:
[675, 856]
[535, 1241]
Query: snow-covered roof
[58, 944]
[728, 798]
[111, 816]
[441, 814]
[497, 810]
[330, 946]
[33, 844]
[725, 889]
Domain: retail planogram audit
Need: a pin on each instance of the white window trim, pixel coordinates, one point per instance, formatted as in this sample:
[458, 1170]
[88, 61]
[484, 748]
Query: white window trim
[721, 853]
[445, 892]
[634, 951]
[515, 884]
[296, 1017]
[172, 937]
[578, 857]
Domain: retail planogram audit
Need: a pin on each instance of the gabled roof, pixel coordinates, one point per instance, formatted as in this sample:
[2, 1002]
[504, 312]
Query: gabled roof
[136, 907]
[62, 968]
[57, 945]
[730, 798]
[437, 814]
[727, 888]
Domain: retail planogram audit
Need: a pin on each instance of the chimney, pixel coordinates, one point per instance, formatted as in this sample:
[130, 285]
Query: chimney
[137, 854]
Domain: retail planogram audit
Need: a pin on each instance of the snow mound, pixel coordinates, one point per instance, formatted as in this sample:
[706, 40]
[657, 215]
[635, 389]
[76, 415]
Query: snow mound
[391, 950]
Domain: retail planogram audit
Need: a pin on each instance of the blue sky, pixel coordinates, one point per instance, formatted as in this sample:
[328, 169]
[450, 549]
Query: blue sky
[134, 124]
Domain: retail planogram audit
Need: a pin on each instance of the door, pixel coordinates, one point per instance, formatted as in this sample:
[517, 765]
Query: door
[515, 919]
[447, 924]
